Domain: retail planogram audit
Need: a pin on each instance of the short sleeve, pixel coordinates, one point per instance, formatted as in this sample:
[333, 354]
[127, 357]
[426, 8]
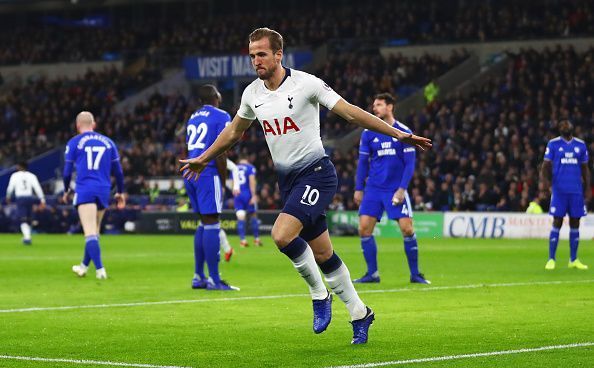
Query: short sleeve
[245, 110]
[69, 152]
[252, 171]
[225, 120]
[585, 158]
[364, 143]
[115, 154]
[549, 154]
[323, 94]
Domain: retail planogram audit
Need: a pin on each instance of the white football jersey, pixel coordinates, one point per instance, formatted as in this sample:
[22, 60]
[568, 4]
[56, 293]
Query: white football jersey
[23, 184]
[290, 118]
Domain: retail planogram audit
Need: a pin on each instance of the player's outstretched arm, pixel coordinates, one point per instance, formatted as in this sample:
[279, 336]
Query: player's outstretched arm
[362, 118]
[228, 137]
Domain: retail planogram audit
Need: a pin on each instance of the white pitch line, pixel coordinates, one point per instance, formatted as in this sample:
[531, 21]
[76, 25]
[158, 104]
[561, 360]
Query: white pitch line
[464, 356]
[87, 362]
[285, 296]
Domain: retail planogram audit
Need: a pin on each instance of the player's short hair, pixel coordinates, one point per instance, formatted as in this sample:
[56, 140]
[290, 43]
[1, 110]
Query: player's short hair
[565, 120]
[275, 38]
[208, 94]
[387, 97]
[22, 165]
[85, 117]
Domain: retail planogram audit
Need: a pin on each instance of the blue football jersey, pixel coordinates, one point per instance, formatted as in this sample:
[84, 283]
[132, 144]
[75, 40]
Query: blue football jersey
[92, 154]
[567, 159]
[387, 159]
[245, 171]
[202, 129]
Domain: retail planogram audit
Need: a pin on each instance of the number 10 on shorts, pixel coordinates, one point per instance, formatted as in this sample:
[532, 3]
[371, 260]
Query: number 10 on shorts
[310, 196]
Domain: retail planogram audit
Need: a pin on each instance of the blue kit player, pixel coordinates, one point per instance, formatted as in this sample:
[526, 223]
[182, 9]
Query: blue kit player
[246, 202]
[385, 168]
[206, 194]
[96, 158]
[286, 102]
[565, 170]
[27, 192]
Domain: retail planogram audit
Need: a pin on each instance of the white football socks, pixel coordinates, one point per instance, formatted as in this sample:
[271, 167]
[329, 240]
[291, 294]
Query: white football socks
[307, 267]
[225, 246]
[26, 230]
[340, 283]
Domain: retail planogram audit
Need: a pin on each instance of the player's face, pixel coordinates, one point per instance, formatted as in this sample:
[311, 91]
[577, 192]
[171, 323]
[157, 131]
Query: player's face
[565, 128]
[264, 60]
[381, 109]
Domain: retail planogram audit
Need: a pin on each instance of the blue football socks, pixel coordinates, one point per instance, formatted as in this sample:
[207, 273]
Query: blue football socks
[212, 245]
[93, 250]
[553, 242]
[199, 252]
[369, 253]
[574, 241]
[255, 227]
[241, 229]
[412, 253]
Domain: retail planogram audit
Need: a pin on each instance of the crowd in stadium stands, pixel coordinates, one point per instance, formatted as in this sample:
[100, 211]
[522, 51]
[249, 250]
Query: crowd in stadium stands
[358, 77]
[488, 146]
[39, 115]
[180, 28]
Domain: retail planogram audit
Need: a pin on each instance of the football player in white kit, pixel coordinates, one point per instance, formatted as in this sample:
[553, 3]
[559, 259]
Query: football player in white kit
[24, 184]
[286, 103]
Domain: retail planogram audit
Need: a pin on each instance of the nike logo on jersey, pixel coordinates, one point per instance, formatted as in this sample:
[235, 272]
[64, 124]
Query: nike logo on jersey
[375, 140]
[256, 106]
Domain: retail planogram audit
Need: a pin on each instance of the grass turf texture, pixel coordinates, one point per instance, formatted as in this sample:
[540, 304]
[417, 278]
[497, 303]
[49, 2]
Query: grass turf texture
[277, 332]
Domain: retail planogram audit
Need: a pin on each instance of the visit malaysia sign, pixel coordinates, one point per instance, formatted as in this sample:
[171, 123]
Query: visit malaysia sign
[235, 66]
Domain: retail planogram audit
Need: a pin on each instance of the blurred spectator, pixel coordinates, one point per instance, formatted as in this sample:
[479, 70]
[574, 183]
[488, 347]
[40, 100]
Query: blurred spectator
[169, 30]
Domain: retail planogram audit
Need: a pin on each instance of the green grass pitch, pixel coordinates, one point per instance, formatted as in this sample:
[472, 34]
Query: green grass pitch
[520, 305]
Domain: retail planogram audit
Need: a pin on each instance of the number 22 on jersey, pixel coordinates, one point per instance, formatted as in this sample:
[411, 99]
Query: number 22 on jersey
[196, 136]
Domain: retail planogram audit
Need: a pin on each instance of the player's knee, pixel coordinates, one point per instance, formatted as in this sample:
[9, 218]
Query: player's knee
[240, 215]
[407, 230]
[558, 222]
[322, 255]
[365, 228]
[574, 223]
[365, 231]
[280, 238]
